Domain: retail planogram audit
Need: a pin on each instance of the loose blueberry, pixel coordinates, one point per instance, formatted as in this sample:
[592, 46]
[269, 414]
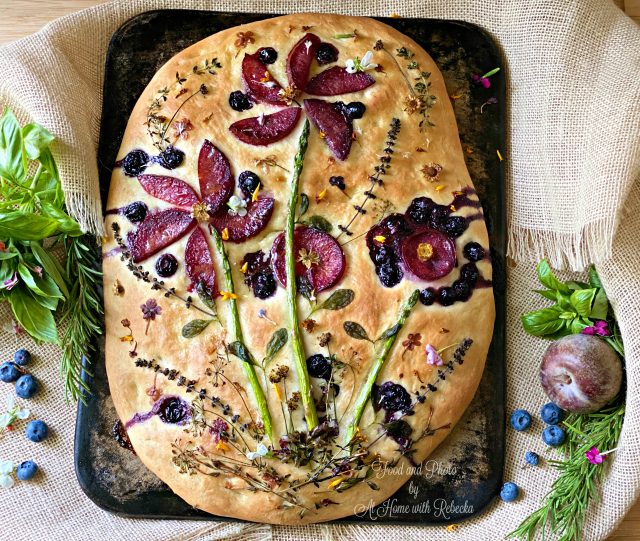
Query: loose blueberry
[267, 55]
[531, 458]
[455, 226]
[166, 265]
[37, 431]
[22, 357]
[338, 182]
[389, 274]
[420, 210]
[551, 414]
[248, 182]
[26, 386]
[239, 101]
[136, 211]
[446, 296]
[393, 397]
[173, 410]
[319, 366]
[520, 420]
[383, 255]
[26, 470]
[469, 273]
[326, 54]
[462, 290]
[509, 492]
[264, 285]
[553, 435]
[135, 162]
[473, 251]
[171, 157]
[355, 110]
[428, 296]
[9, 372]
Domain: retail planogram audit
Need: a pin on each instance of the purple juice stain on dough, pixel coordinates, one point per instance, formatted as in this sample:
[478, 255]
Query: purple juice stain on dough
[170, 409]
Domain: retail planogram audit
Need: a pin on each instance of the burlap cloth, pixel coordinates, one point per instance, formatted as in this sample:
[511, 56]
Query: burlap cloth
[572, 167]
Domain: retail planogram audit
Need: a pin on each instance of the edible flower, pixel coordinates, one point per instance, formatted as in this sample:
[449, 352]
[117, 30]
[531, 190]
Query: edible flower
[150, 310]
[490, 101]
[227, 295]
[276, 388]
[484, 79]
[380, 238]
[10, 283]
[360, 64]
[600, 328]
[337, 481]
[219, 430]
[594, 456]
[433, 356]
[244, 38]
[237, 206]
[225, 234]
[182, 128]
[254, 195]
[261, 450]
[12, 414]
[244, 267]
[321, 195]
[412, 341]
[6, 469]
[262, 314]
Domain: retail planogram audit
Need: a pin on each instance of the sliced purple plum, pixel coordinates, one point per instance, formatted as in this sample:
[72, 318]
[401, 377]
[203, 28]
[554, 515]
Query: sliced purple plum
[157, 231]
[198, 261]
[214, 173]
[336, 80]
[335, 128]
[169, 189]
[266, 129]
[241, 228]
[428, 254]
[260, 84]
[327, 259]
[300, 59]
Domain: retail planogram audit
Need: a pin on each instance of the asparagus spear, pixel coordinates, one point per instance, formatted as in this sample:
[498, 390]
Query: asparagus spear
[365, 390]
[245, 355]
[299, 356]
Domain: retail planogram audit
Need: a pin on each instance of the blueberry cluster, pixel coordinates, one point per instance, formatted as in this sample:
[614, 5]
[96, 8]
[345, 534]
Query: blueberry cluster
[259, 274]
[14, 371]
[424, 211]
[239, 101]
[391, 397]
[137, 160]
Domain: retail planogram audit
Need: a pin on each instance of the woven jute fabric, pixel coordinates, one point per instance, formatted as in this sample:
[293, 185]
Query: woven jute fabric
[572, 165]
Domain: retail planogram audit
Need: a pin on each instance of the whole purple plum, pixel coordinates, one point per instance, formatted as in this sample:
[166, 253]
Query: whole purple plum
[581, 373]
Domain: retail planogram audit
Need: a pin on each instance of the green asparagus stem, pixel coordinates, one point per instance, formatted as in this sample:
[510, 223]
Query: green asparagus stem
[247, 364]
[365, 390]
[299, 356]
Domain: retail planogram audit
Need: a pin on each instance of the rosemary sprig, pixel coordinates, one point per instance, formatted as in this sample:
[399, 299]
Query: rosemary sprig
[247, 359]
[365, 390]
[292, 302]
[82, 313]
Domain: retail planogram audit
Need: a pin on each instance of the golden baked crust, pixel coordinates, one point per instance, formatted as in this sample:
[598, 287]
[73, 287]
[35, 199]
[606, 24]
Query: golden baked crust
[132, 344]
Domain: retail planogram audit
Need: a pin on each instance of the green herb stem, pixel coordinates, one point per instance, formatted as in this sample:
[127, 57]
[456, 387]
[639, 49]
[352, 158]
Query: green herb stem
[247, 367]
[299, 356]
[365, 391]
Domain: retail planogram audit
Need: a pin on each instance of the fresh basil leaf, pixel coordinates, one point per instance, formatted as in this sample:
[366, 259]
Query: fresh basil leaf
[600, 306]
[391, 331]
[594, 278]
[66, 224]
[195, 327]
[8, 254]
[543, 322]
[276, 343]
[34, 318]
[36, 139]
[355, 330]
[238, 349]
[13, 159]
[338, 300]
[51, 303]
[574, 284]
[17, 225]
[548, 279]
[577, 325]
[320, 223]
[581, 300]
[46, 287]
[304, 204]
[51, 267]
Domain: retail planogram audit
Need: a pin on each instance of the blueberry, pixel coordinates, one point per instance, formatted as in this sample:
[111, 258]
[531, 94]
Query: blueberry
[473, 251]
[389, 274]
[26, 386]
[454, 226]
[446, 296]
[173, 410]
[532, 458]
[171, 157]
[393, 397]
[469, 273]
[420, 210]
[396, 224]
[136, 211]
[553, 435]
[248, 182]
[338, 182]
[462, 290]
[267, 55]
[264, 285]
[428, 296]
[37, 431]
[355, 110]
[383, 255]
[551, 414]
[166, 265]
[26, 470]
[9, 372]
[319, 366]
[509, 492]
[22, 357]
[135, 162]
[239, 101]
[439, 215]
[520, 420]
[326, 54]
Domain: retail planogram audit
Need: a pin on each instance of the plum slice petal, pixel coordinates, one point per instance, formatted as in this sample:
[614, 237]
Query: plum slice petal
[214, 174]
[428, 254]
[157, 231]
[259, 82]
[199, 262]
[300, 59]
[331, 262]
[241, 228]
[169, 189]
[336, 80]
[335, 127]
[267, 129]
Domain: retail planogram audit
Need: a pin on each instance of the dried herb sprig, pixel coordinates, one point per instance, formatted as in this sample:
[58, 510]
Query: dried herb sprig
[420, 88]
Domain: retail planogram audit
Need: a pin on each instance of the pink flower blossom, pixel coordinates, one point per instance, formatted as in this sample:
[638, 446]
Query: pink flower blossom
[433, 357]
[38, 271]
[594, 456]
[600, 328]
[10, 283]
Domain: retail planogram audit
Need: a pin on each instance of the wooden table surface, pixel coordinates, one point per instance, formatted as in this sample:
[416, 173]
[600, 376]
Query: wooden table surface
[19, 18]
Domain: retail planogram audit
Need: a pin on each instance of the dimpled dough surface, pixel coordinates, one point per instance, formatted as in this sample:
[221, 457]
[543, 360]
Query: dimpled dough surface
[140, 393]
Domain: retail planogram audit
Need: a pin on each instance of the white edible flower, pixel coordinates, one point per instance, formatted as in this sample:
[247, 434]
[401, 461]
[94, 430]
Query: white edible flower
[261, 119]
[308, 45]
[6, 469]
[13, 412]
[261, 450]
[237, 206]
[360, 64]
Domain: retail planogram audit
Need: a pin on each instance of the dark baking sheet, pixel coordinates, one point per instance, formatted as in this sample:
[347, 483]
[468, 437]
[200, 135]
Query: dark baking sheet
[464, 474]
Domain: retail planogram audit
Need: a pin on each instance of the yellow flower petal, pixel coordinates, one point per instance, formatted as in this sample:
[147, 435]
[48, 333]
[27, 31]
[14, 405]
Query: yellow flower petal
[439, 187]
[225, 234]
[380, 238]
[254, 195]
[222, 446]
[499, 155]
[244, 268]
[322, 135]
[453, 208]
[276, 388]
[128, 338]
[335, 482]
[226, 295]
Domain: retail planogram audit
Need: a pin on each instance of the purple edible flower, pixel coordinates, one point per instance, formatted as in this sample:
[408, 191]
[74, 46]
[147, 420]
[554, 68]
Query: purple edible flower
[599, 328]
[150, 310]
[10, 283]
[218, 430]
[433, 357]
[594, 456]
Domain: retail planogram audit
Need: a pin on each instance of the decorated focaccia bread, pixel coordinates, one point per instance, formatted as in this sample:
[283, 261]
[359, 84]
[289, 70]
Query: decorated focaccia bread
[297, 276]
